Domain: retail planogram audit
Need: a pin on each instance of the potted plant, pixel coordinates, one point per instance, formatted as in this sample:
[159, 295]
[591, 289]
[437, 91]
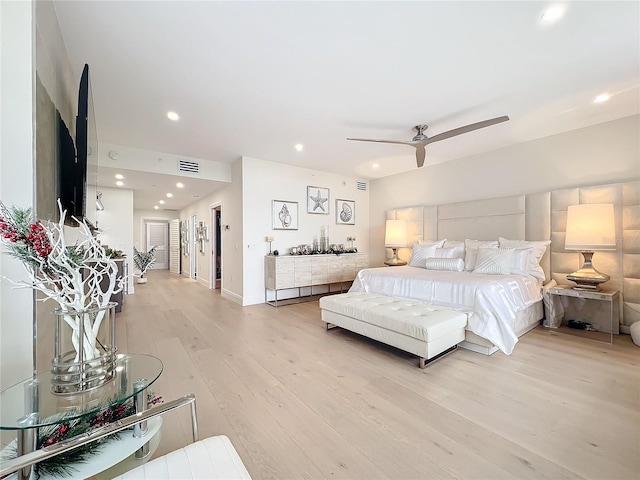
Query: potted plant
[144, 260]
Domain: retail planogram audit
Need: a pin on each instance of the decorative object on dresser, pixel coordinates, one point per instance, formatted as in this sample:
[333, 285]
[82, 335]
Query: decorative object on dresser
[285, 215]
[318, 200]
[590, 227]
[345, 212]
[269, 239]
[395, 237]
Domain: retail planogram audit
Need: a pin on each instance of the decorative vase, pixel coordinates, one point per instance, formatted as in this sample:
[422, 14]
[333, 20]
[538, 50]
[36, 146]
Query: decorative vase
[142, 279]
[84, 349]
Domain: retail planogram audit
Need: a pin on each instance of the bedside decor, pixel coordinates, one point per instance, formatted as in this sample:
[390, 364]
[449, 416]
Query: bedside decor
[395, 236]
[318, 200]
[285, 215]
[590, 227]
[345, 212]
[74, 277]
[144, 260]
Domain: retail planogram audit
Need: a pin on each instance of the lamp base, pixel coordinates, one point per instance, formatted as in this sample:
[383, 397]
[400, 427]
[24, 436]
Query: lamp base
[395, 261]
[587, 278]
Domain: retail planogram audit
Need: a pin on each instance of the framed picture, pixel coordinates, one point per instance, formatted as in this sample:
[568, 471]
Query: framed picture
[318, 200]
[345, 212]
[285, 215]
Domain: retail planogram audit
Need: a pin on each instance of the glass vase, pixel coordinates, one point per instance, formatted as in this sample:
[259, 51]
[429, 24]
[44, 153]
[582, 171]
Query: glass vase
[84, 355]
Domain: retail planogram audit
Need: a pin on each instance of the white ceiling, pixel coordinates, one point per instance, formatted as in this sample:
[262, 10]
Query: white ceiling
[255, 78]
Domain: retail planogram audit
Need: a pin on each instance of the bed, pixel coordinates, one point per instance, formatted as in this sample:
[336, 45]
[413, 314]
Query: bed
[498, 314]
[499, 308]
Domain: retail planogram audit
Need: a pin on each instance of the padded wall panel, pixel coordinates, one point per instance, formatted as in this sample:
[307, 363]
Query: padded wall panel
[483, 228]
[480, 208]
[430, 223]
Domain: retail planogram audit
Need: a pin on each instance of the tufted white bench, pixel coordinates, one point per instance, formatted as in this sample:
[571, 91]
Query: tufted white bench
[428, 331]
[208, 459]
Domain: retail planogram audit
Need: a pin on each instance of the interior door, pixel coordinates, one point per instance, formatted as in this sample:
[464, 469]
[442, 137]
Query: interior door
[174, 246]
[158, 235]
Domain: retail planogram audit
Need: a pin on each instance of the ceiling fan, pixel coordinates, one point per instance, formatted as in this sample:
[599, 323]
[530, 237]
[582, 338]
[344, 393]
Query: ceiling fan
[421, 140]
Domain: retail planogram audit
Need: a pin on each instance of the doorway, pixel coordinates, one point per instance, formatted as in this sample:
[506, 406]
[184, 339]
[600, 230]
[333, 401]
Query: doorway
[216, 248]
[158, 236]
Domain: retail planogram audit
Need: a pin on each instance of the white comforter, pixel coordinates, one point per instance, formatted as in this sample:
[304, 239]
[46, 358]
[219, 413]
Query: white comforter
[490, 301]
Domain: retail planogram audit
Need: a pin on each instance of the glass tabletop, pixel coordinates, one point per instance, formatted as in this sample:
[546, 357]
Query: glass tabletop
[17, 403]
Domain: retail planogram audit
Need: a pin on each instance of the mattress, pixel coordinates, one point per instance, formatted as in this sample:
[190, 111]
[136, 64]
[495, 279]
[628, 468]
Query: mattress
[492, 302]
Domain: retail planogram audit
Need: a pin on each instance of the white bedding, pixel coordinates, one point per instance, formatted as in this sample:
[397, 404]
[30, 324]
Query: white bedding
[490, 301]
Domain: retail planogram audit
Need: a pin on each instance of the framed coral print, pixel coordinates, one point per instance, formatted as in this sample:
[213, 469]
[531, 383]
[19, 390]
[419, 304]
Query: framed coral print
[345, 212]
[318, 200]
[285, 215]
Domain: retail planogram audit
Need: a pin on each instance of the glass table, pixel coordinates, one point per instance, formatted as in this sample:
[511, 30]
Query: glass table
[31, 405]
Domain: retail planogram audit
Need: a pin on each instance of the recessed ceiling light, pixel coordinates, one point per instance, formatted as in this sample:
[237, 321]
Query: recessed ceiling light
[119, 176]
[375, 165]
[603, 97]
[553, 13]
[156, 207]
[180, 185]
[169, 195]
[299, 147]
[173, 116]
[161, 202]
[119, 183]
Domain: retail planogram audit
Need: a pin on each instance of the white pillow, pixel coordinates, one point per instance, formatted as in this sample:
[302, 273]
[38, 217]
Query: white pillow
[448, 264]
[446, 253]
[494, 261]
[419, 253]
[539, 247]
[457, 246]
[437, 243]
[471, 251]
[520, 261]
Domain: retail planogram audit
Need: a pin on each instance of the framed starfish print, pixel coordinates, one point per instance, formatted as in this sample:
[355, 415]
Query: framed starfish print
[318, 200]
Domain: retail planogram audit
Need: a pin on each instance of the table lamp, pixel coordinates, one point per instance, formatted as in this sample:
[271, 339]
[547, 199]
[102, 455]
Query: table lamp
[395, 236]
[590, 227]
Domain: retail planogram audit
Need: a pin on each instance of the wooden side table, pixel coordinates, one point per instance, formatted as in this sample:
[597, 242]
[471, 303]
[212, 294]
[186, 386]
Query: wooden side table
[577, 304]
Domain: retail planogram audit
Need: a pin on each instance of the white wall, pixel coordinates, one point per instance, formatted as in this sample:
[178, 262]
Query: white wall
[605, 153]
[17, 74]
[264, 181]
[116, 223]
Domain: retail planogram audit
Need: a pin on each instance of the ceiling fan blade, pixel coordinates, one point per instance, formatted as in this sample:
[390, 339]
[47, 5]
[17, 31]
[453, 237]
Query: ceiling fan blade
[420, 154]
[466, 129]
[412, 143]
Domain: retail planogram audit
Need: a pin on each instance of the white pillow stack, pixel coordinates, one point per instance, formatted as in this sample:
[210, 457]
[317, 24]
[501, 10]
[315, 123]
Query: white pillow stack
[422, 250]
[538, 248]
[471, 251]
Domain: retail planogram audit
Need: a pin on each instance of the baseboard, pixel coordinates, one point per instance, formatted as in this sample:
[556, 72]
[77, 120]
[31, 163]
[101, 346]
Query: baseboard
[203, 282]
[234, 297]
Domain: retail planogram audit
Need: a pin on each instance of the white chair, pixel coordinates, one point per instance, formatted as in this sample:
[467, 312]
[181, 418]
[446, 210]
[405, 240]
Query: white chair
[211, 458]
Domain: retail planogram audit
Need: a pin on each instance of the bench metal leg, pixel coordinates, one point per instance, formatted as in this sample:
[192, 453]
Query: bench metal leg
[330, 326]
[424, 361]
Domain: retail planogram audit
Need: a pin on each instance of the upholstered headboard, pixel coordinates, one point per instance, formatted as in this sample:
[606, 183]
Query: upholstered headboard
[542, 216]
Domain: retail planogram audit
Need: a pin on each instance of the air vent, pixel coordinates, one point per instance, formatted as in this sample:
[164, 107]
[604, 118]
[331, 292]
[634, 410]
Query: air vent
[361, 186]
[188, 166]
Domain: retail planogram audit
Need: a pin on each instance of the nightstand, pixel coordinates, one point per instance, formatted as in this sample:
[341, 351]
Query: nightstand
[601, 309]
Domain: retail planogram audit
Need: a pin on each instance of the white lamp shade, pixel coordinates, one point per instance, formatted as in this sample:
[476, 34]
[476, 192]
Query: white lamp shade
[395, 233]
[590, 227]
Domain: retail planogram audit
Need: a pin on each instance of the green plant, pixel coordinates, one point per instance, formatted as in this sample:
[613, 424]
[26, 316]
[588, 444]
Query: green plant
[113, 253]
[143, 260]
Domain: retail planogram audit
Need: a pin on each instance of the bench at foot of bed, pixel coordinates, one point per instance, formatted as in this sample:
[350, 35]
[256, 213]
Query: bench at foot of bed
[428, 331]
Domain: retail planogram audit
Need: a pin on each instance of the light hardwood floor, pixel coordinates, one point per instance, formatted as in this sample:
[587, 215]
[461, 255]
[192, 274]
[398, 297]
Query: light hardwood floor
[300, 402]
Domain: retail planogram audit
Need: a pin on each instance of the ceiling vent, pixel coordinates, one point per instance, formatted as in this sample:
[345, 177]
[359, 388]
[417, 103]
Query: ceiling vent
[361, 186]
[188, 166]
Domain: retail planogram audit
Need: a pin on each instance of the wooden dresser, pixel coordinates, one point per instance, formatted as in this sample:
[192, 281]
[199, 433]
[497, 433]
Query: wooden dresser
[306, 271]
